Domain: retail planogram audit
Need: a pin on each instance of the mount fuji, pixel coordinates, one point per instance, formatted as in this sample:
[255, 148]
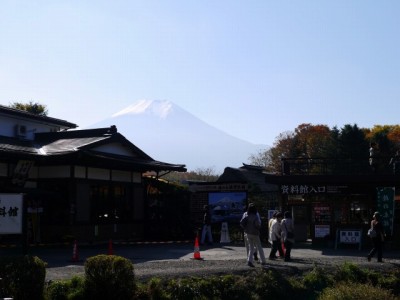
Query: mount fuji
[170, 134]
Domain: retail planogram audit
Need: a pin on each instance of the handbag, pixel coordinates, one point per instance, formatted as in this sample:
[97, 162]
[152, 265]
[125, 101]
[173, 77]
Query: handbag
[371, 233]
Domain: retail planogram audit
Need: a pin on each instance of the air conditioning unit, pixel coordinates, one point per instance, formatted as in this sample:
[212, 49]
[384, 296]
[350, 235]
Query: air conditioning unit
[20, 130]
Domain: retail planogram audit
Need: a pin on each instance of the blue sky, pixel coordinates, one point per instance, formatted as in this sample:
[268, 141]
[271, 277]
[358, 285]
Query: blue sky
[253, 69]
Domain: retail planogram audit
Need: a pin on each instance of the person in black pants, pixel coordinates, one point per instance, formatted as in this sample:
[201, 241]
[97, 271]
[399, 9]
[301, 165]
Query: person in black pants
[378, 239]
[275, 236]
[288, 234]
[206, 231]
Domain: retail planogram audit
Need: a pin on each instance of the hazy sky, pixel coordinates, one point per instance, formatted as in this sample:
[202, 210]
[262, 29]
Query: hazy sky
[251, 68]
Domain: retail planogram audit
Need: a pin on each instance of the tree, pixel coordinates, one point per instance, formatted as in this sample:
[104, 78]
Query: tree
[313, 140]
[387, 137]
[200, 174]
[305, 142]
[261, 159]
[351, 142]
[206, 174]
[284, 147]
[309, 146]
[394, 136]
[32, 107]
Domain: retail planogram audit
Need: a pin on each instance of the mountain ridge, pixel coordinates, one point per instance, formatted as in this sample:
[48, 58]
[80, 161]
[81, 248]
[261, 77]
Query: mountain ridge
[168, 133]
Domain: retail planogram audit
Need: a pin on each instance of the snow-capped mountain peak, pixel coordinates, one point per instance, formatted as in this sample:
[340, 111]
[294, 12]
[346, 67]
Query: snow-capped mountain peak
[158, 108]
[168, 133]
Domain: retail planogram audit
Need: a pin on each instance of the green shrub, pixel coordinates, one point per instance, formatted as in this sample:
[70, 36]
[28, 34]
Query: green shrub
[233, 287]
[141, 291]
[255, 284]
[272, 284]
[317, 280]
[23, 277]
[390, 282]
[109, 277]
[71, 289]
[156, 289]
[350, 272]
[222, 287]
[345, 291]
[259, 284]
[184, 289]
[58, 290]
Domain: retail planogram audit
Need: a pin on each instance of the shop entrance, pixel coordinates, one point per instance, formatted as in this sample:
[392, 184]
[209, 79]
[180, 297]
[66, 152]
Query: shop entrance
[301, 219]
[317, 218]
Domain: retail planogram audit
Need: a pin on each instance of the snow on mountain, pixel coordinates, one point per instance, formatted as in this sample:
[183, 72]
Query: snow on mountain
[170, 134]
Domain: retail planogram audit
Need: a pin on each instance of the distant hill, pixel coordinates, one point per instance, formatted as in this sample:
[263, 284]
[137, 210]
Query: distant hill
[170, 134]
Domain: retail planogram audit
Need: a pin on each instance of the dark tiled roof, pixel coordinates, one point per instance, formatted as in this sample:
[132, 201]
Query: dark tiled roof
[8, 144]
[139, 163]
[69, 145]
[24, 114]
[67, 141]
[252, 175]
[83, 142]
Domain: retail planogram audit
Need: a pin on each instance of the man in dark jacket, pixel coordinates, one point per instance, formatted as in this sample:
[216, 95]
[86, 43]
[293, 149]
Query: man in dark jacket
[206, 226]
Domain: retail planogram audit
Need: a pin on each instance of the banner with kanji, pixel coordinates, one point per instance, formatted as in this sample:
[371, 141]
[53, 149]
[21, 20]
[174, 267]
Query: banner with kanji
[11, 213]
[385, 204]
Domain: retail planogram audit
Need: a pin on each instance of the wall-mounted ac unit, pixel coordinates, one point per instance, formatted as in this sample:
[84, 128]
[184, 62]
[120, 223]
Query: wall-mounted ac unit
[20, 130]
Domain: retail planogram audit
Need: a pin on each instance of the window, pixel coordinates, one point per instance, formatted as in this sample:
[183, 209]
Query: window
[110, 203]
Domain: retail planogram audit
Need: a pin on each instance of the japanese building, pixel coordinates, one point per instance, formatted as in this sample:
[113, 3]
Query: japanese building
[81, 184]
[229, 196]
[264, 194]
[330, 198]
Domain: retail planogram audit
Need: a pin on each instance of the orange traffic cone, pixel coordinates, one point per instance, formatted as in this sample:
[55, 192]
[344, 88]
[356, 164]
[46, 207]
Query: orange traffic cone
[110, 247]
[196, 254]
[75, 255]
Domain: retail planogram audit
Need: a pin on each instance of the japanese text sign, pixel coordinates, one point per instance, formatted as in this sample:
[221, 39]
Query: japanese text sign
[385, 204]
[11, 213]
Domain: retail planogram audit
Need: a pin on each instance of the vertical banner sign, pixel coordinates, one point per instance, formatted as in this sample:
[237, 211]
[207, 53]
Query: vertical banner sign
[21, 172]
[385, 203]
[11, 211]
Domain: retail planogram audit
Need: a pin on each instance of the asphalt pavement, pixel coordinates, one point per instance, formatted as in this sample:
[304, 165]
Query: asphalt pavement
[159, 259]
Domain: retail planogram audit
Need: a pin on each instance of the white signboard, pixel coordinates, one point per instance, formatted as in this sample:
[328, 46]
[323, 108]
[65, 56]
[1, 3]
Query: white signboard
[322, 231]
[11, 210]
[350, 236]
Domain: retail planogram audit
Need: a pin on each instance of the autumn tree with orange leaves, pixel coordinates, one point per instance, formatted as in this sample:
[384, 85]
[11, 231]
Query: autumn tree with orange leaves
[309, 141]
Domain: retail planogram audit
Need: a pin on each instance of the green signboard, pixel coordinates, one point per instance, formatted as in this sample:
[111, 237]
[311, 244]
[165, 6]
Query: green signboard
[385, 203]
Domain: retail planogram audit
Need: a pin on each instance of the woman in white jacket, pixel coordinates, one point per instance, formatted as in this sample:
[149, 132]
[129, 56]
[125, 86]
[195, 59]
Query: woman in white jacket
[251, 225]
[275, 236]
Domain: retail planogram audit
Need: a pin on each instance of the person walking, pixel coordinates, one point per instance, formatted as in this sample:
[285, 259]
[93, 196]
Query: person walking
[372, 156]
[275, 237]
[395, 162]
[377, 237]
[271, 220]
[287, 234]
[251, 225]
[246, 242]
[206, 226]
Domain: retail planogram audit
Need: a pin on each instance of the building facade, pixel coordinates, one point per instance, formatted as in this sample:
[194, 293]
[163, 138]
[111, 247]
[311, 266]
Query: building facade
[332, 204]
[77, 184]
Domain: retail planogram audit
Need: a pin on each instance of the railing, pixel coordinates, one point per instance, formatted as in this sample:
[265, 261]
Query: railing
[337, 166]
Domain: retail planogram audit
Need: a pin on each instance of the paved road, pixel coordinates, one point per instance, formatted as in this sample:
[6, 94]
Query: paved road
[174, 259]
